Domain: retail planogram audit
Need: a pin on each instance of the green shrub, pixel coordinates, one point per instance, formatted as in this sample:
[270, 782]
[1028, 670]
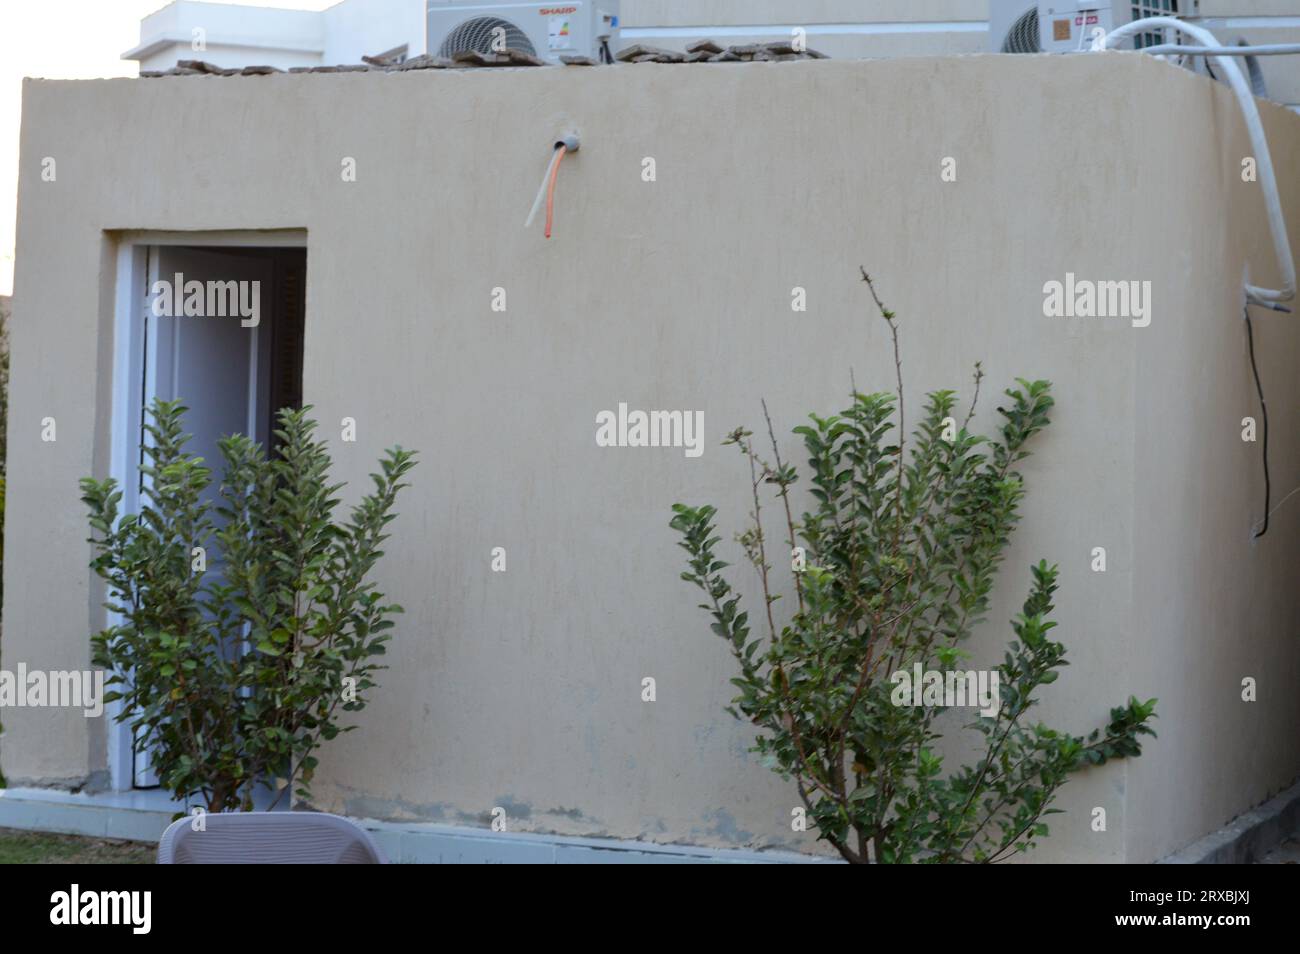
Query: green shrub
[237, 672]
[893, 566]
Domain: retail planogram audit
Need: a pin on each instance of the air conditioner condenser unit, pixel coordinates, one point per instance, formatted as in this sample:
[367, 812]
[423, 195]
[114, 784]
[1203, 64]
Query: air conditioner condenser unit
[1066, 26]
[546, 30]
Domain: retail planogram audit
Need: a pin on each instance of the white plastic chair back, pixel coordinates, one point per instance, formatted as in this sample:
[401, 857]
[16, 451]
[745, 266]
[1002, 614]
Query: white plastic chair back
[268, 838]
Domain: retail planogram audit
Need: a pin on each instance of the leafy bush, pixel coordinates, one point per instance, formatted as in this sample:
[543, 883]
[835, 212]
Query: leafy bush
[237, 672]
[893, 566]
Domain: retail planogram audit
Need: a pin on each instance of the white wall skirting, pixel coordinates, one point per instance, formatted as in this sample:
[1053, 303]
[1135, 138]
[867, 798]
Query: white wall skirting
[143, 815]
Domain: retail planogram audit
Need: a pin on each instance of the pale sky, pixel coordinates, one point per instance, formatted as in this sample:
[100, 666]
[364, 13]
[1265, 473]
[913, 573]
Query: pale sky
[66, 39]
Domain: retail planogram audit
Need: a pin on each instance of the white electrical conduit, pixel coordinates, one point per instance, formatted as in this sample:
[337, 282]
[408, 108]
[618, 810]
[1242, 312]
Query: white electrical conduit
[1271, 49]
[1268, 297]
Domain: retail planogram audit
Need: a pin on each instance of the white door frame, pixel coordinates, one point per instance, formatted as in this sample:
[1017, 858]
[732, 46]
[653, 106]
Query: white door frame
[130, 301]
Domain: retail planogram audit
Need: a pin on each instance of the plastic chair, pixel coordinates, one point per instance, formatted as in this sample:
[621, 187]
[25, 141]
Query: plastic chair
[268, 838]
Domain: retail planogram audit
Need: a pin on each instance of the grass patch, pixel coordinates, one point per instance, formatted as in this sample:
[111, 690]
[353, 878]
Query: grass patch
[42, 848]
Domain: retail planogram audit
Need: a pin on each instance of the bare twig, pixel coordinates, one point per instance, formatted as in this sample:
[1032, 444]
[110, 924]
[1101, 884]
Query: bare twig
[979, 376]
[785, 499]
[889, 316]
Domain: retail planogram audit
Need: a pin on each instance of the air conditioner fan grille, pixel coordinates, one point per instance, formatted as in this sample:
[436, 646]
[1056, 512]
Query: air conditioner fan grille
[479, 34]
[1023, 35]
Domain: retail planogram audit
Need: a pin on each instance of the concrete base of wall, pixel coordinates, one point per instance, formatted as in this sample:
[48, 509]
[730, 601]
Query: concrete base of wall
[143, 816]
[1247, 838]
[136, 816]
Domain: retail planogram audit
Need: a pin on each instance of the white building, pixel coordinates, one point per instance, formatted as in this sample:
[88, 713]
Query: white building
[236, 36]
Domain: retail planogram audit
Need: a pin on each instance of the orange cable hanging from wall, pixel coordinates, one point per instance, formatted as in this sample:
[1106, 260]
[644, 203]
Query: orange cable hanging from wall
[550, 188]
[547, 189]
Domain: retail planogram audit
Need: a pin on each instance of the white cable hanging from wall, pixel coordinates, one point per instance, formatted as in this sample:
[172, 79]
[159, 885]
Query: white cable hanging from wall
[1267, 297]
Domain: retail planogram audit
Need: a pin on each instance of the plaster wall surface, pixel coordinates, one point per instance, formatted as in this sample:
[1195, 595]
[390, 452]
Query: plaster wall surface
[521, 689]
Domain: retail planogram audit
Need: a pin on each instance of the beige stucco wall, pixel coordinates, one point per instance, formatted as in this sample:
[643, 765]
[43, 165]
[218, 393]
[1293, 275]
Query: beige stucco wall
[522, 689]
[1213, 606]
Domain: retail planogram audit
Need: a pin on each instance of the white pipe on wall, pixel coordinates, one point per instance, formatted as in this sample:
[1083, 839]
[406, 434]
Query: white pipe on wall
[1269, 297]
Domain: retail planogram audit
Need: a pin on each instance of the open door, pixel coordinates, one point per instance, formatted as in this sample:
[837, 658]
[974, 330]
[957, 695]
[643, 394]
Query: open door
[210, 362]
[231, 374]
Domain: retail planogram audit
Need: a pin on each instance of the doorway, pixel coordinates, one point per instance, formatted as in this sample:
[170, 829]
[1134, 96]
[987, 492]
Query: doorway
[218, 324]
